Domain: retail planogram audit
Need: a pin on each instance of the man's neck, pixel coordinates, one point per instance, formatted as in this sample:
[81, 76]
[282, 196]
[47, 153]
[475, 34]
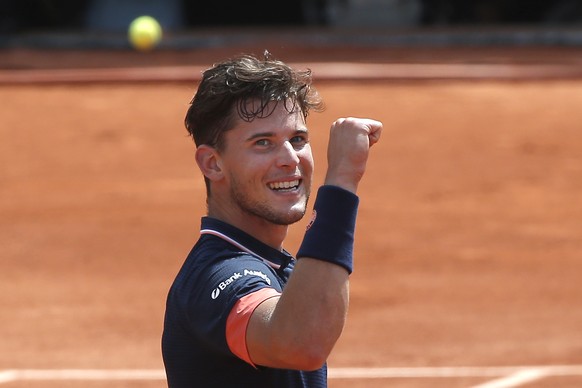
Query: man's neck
[261, 229]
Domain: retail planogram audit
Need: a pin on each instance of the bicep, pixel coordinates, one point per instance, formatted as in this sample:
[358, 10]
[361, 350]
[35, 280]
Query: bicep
[258, 340]
[247, 323]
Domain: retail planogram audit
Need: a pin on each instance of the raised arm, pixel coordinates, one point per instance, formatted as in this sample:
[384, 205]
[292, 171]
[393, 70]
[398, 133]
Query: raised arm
[299, 329]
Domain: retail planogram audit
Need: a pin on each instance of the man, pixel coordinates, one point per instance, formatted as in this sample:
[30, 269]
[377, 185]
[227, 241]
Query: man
[242, 312]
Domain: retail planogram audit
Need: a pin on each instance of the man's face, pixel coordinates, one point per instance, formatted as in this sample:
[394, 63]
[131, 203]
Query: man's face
[268, 167]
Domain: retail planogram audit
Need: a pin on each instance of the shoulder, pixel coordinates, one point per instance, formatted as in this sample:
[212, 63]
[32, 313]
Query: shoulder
[213, 266]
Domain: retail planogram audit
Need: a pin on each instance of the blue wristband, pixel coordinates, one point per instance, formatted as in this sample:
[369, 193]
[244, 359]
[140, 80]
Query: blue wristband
[330, 234]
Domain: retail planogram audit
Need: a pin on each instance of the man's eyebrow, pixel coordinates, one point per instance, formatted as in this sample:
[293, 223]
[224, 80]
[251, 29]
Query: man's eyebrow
[260, 135]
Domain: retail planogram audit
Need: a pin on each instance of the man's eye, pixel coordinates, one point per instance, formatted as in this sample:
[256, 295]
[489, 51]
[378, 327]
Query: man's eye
[298, 140]
[263, 142]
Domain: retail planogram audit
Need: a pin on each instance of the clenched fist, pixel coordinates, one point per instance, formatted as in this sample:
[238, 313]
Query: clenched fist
[349, 144]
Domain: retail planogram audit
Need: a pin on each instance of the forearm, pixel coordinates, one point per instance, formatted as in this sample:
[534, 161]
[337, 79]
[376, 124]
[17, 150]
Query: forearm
[314, 306]
[299, 329]
[310, 314]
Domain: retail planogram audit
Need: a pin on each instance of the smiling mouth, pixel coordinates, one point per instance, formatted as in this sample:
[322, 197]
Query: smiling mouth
[284, 186]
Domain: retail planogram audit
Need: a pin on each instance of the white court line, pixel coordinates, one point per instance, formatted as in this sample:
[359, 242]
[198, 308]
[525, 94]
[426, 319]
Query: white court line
[435, 372]
[415, 372]
[7, 376]
[530, 374]
[517, 379]
[81, 374]
[511, 376]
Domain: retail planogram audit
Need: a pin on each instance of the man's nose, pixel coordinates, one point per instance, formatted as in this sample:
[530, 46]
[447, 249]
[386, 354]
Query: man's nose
[288, 155]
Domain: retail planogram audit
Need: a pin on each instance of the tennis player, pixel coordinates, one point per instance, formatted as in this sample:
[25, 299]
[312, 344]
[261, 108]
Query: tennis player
[242, 311]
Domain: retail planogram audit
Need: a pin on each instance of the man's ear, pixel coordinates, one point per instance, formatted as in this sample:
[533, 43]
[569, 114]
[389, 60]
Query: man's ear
[209, 162]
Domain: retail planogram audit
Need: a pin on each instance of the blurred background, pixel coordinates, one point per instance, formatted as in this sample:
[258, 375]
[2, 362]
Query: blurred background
[99, 22]
[475, 191]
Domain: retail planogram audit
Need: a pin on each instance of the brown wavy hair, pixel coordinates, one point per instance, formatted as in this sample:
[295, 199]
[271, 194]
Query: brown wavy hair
[232, 88]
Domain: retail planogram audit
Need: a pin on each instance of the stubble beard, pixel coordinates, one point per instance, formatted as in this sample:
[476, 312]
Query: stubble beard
[268, 213]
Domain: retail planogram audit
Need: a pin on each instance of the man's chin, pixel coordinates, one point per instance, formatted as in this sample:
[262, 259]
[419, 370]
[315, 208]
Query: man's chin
[290, 217]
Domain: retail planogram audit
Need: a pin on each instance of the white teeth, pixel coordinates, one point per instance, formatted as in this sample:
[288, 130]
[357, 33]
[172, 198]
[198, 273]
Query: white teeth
[284, 185]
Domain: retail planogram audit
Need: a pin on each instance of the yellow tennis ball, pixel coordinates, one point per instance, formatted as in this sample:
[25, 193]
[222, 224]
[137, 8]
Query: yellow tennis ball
[144, 33]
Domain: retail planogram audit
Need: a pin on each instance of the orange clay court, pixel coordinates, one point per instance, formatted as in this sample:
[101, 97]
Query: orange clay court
[469, 240]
